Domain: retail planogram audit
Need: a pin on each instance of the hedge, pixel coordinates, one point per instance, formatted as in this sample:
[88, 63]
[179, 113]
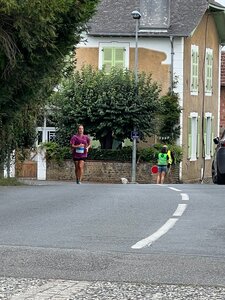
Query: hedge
[55, 152]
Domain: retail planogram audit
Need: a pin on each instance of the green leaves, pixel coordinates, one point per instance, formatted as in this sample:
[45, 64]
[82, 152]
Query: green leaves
[107, 104]
[170, 118]
[35, 38]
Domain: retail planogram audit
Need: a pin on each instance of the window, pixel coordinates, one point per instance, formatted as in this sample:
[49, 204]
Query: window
[51, 136]
[208, 71]
[194, 69]
[45, 130]
[208, 135]
[45, 134]
[193, 136]
[113, 55]
[39, 137]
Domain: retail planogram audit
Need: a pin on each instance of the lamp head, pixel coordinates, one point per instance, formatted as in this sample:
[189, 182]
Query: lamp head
[136, 15]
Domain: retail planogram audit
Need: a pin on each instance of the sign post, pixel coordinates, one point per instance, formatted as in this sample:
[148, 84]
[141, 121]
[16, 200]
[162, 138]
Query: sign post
[136, 16]
[134, 137]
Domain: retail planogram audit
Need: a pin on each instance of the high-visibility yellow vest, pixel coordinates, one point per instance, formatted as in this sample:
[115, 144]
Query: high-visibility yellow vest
[162, 159]
[170, 160]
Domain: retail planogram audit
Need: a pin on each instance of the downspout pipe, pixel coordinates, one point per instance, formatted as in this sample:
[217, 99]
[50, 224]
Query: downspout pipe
[172, 86]
[172, 64]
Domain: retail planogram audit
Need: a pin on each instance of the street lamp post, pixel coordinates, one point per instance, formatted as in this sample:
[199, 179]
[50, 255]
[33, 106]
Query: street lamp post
[136, 16]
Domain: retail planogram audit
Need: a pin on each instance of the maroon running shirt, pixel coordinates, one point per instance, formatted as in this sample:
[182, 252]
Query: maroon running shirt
[80, 152]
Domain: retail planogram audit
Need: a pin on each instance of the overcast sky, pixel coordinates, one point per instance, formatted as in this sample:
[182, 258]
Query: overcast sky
[221, 2]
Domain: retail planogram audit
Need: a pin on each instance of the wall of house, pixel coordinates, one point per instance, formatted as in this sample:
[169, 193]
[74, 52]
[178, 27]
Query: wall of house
[205, 36]
[153, 56]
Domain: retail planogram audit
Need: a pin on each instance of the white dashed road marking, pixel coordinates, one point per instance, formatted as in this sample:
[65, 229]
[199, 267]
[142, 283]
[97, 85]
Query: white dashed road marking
[184, 196]
[180, 210]
[167, 226]
[155, 236]
[174, 189]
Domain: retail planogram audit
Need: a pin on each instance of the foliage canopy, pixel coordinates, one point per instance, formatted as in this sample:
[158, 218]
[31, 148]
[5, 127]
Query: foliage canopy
[35, 37]
[170, 118]
[107, 105]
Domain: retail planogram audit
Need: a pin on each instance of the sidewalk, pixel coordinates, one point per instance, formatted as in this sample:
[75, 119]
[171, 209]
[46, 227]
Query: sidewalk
[57, 182]
[40, 289]
[46, 182]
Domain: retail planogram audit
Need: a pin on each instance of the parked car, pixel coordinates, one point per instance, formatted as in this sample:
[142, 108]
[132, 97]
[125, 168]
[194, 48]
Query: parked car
[218, 164]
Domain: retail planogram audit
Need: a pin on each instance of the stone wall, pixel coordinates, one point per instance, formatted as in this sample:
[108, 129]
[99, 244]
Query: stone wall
[107, 172]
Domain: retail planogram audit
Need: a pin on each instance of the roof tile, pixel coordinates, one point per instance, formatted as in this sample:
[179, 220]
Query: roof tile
[114, 17]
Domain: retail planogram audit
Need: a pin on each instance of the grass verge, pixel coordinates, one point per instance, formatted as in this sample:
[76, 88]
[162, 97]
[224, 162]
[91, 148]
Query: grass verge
[10, 182]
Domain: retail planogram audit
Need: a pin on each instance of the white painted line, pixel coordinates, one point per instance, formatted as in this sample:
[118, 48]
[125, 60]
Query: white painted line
[174, 189]
[184, 196]
[155, 236]
[180, 210]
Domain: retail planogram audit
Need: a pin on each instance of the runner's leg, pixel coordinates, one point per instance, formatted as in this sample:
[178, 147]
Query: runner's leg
[81, 169]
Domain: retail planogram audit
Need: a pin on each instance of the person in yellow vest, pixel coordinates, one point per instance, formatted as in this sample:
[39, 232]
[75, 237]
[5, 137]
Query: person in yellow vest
[171, 158]
[163, 159]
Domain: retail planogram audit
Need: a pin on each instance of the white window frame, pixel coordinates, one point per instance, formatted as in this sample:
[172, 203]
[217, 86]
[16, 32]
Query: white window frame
[193, 137]
[126, 47]
[208, 72]
[194, 78]
[46, 132]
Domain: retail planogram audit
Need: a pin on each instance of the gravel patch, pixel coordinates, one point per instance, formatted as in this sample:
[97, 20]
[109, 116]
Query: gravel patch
[12, 286]
[33, 289]
[125, 291]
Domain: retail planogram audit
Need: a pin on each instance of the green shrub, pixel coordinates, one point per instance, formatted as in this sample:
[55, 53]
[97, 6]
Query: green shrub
[9, 182]
[124, 154]
[58, 153]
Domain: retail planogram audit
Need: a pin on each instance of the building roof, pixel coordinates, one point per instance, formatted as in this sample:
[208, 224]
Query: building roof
[113, 18]
[223, 68]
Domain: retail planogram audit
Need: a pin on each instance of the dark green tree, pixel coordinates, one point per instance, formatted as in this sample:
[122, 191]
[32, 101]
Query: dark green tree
[107, 105]
[170, 118]
[35, 37]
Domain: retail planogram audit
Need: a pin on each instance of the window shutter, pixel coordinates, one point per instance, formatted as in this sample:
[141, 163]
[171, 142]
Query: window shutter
[119, 57]
[208, 71]
[107, 59]
[212, 137]
[113, 57]
[194, 68]
[198, 137]
[189, 138]
[211, 70]
[205, 136]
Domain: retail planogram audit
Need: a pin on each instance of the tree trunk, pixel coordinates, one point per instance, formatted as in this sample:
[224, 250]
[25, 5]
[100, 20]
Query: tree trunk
[107, 141]
[1, 169]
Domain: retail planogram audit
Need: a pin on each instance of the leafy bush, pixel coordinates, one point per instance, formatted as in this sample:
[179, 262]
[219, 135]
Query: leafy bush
[9, 182]
[55, 152]
[106, 104]
[170, 117]
[124, 154]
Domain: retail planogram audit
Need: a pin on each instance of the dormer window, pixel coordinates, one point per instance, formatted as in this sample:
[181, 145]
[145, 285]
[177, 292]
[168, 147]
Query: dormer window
[155, 14]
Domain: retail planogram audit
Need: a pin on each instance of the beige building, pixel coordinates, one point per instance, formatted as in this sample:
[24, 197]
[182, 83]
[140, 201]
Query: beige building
[178, 41]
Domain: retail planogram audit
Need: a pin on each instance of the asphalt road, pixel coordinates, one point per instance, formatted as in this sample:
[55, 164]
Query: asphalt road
[170, 234]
